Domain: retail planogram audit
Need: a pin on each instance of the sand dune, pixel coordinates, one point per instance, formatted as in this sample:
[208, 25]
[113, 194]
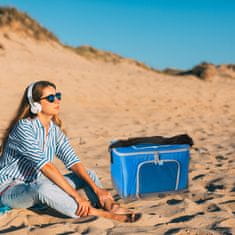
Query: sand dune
[106, 101]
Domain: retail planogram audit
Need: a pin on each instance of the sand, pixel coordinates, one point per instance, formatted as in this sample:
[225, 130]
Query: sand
[103, 102]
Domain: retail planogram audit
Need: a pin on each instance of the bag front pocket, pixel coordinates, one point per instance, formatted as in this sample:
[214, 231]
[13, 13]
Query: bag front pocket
[157, 176]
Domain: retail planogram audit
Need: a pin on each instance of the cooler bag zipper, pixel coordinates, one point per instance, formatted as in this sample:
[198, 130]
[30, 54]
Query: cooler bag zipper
[150, 152]
[159, 162]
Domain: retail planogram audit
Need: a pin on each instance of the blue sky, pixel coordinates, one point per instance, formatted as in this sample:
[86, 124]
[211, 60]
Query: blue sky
[160, 33]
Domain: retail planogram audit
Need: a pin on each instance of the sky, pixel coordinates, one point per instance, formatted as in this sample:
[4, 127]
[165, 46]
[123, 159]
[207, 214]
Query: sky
[161, 33]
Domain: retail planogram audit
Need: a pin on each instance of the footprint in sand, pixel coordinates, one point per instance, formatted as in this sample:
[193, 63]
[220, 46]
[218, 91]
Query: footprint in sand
[185, 218]
[152, 213]
[1, 46]
[172, 231]
[233, 189]
[198, 176]
[219, 165]
[213, 185]
[201, 201]
[220, 158]
[221, 230]
[229, 202]
[201, 150]
[201, 198]
[213, 208]
[173, 201]
[218, 146]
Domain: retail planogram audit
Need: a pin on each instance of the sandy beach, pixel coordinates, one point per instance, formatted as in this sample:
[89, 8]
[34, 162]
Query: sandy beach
[106, 101]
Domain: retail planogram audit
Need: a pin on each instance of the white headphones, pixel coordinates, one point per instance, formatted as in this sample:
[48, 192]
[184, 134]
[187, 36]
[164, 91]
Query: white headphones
[35, 107]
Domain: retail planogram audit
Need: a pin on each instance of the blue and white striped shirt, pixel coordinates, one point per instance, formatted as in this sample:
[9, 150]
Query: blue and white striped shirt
[28, 149]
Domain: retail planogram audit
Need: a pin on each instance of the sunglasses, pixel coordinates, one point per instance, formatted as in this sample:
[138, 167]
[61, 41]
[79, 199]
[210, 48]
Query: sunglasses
[51, 98]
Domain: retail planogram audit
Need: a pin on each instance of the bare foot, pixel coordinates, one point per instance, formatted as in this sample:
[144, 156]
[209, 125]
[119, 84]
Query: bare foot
[114, 207]
[127, 218]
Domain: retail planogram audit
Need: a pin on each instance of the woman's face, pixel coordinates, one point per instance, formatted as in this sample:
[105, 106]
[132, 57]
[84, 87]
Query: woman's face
[49, 108]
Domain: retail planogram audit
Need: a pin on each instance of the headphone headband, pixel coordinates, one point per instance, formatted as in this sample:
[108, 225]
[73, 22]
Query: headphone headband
[30, 93]
[35, 107]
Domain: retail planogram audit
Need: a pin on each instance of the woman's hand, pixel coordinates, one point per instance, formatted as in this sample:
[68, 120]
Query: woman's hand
[83, 206]
[103, 195]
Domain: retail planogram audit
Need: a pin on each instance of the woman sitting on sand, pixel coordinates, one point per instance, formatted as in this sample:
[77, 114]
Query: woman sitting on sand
[27, 174]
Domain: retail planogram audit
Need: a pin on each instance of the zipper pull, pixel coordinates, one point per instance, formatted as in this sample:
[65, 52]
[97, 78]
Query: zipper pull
[156, 157]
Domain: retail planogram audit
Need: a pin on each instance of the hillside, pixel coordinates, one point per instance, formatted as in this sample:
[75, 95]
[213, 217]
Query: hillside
[11, 18]
[107, 97]
[206, 71]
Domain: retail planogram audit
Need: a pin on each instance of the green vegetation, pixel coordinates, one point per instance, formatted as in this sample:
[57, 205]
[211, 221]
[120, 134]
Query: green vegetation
[10, 17]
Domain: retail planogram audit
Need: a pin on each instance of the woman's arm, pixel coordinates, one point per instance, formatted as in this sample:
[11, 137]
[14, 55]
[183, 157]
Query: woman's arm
[80, 170]
[66, 153]
[102, 194]
[51, 172]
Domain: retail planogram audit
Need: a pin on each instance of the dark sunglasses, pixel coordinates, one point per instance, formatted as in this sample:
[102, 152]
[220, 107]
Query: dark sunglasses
[51, 98]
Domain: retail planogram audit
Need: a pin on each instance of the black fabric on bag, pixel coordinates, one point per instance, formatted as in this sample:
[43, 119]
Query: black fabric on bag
[159, 140]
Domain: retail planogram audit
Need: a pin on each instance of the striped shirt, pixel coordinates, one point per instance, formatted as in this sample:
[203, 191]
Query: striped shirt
[28, 149]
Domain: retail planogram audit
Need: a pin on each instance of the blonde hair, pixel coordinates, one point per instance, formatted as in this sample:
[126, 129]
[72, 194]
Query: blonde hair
[24, 109]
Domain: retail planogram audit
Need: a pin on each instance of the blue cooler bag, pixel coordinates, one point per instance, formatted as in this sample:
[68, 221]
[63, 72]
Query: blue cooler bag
[144, 169]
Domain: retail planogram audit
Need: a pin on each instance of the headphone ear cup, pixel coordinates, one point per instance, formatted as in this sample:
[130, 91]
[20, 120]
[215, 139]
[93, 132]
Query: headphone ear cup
[36, 108]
